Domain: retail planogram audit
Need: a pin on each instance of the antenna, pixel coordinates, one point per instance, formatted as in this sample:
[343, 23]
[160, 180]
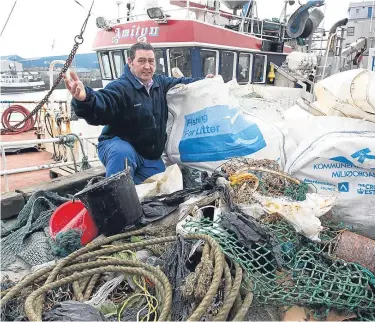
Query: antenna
[119, 3]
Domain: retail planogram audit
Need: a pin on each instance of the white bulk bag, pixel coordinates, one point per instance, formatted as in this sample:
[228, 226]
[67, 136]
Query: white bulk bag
[338, 154]
[350, 93]
[209, 128]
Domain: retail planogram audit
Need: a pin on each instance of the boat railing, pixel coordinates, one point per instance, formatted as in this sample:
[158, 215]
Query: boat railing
[255, 24]
[37, 142]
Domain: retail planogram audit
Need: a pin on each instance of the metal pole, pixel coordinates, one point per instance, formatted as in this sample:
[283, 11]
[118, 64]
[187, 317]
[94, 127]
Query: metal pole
[4, 168]
[187, 9]
[327, 52]
[42, 167]
[284, 21]
[27, 102]
[372, 15]
[36, 141]
[252, 17]
[310, 44]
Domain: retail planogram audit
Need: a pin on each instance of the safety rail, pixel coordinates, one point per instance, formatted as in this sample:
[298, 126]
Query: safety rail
[19, 144]
[252, 21]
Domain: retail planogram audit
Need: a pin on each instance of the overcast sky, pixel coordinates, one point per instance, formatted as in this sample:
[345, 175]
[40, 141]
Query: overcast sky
[36, 24]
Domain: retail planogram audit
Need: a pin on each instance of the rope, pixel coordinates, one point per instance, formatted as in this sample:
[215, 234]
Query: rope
[90, 286]
[77, 291]
[228, 281]
[88, 263]
[216, 279]
[228, 302]
[240, 316]
[69, 140]
[33, 316]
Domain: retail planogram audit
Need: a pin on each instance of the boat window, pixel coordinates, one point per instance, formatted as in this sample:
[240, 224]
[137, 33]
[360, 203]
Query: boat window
[181, 58]
[227, 65]
[260, 68]
[159, 62]
[127, 54]
[105, 65]
[208, 61]
[350, 31]
[244, 68]
[118, 62]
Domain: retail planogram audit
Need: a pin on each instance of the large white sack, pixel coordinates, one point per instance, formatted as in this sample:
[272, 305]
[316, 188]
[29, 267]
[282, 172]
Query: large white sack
[255, 103]
[166, 182]
[299, 121]
[208, 128]
[351, 92]
[339, 155]
[296, 123]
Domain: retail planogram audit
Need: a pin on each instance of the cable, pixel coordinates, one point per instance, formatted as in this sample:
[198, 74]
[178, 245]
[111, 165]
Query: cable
[82, 6]
[6, 22]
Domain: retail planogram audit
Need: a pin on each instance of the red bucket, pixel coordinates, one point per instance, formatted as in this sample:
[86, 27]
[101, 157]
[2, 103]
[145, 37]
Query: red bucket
[73, 215]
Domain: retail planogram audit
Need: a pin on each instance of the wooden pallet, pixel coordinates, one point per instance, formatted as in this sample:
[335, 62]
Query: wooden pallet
[63, 171]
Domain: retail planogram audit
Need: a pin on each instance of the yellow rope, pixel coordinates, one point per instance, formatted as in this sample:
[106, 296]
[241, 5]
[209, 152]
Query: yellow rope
[137, 295]
[150, 298]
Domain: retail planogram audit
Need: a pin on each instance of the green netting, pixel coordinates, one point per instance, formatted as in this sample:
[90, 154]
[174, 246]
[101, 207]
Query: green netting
[309, 275]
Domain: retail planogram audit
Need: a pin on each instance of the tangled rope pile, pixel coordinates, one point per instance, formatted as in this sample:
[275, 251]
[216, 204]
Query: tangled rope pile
[215, 269]
[264, 176]
[84, 266]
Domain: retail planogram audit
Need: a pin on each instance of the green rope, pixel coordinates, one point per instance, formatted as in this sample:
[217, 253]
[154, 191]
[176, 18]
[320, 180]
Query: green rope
[66, 243]
[69, 141]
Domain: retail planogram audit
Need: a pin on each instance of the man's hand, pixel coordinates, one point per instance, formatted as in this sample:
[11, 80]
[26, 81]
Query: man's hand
[210, 76]
[75, 87]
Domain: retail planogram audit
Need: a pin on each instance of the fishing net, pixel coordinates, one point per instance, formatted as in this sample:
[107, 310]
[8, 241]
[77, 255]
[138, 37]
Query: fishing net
[26, 237]
[309, 275]
[263, 176]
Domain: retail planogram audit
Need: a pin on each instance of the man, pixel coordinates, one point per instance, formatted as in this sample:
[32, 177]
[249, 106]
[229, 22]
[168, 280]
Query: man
[134, 111]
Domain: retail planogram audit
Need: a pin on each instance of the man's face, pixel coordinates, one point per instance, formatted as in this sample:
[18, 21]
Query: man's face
[143, 65]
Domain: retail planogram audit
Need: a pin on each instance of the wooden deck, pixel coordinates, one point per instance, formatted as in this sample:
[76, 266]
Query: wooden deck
[26, 158]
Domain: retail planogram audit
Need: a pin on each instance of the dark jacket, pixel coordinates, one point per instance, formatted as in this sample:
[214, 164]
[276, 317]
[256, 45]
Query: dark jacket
[130, 113]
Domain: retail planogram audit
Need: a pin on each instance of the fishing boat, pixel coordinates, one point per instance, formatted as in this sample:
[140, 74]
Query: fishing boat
[11, 82]
[277, 57]
[216, 42]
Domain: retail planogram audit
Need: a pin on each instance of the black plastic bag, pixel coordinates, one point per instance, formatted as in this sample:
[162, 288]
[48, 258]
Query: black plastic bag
[73, 311]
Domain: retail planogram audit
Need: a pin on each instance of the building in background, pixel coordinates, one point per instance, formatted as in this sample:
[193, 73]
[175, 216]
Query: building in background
[361, 24]
[7, 65]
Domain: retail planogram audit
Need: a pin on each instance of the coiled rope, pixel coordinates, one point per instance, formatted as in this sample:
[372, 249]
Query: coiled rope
[17, 109]
[85, 265]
